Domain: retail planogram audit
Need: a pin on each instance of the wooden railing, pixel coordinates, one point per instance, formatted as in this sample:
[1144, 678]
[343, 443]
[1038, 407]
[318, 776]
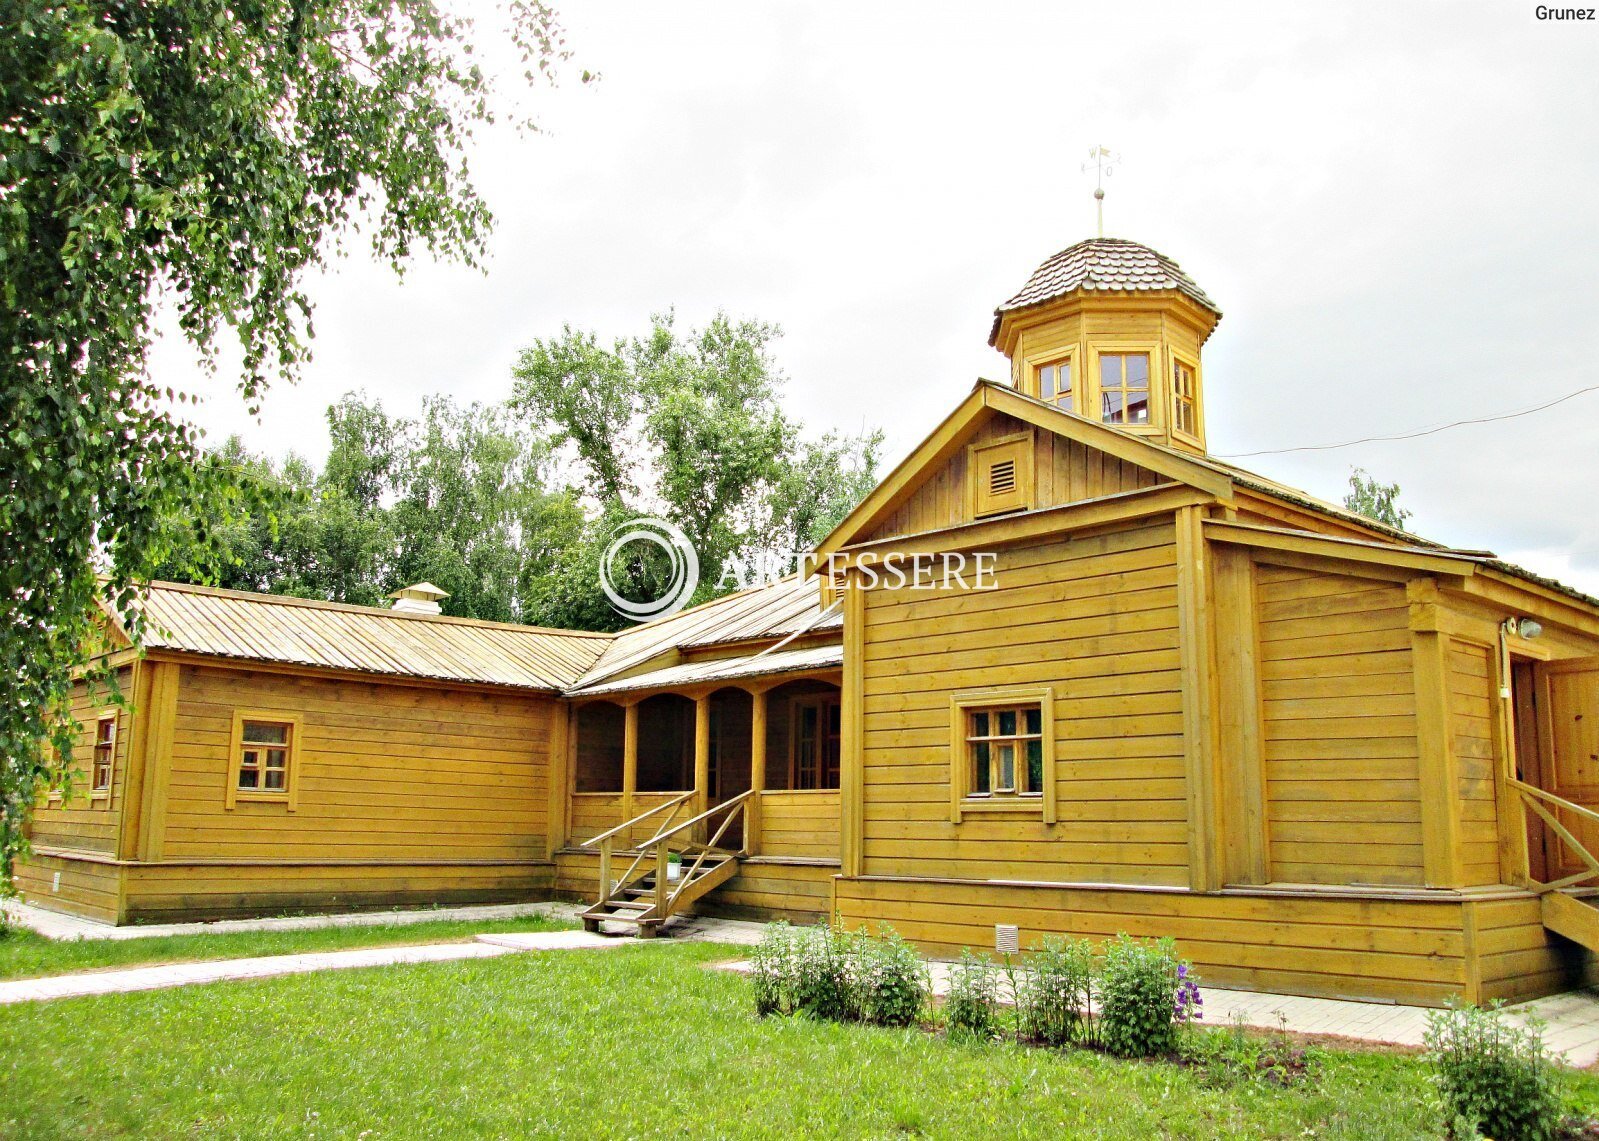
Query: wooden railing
[1533, 799]
[606, 842]
[663, 844]
[669, 837]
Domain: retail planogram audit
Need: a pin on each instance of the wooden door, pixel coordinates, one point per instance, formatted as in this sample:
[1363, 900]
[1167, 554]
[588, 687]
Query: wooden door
[1567, 698]
[814, 749]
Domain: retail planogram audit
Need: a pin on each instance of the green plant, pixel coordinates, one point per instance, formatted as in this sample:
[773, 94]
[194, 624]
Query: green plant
[972, 1008]
[1139, 989]
[890, 979]
[1237, 1056]
[822, 987]
[772, 970]
[1495, 1077]
[1055, 999]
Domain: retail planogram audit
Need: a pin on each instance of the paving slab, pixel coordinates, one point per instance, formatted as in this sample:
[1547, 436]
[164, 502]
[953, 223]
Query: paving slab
[219, 970]
[552, 940]
[56, 925]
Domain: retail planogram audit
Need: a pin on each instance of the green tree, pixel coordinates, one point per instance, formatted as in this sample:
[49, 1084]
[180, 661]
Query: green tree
[239, 544]
[687, 427]
[1377, 501]
[474, 516]
[202, 155]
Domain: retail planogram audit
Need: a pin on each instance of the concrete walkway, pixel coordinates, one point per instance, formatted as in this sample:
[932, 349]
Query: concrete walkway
[267, 966]
[55, 925]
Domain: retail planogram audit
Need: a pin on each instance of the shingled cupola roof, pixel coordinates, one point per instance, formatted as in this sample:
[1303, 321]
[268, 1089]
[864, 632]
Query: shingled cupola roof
[1104, 264]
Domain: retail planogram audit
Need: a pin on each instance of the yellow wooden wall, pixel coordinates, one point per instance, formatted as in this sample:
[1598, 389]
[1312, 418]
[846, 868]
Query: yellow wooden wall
[1472, 680]
[1343, 798]
[596, 812]
[1096, 618]
[1405, 950]
[1064, 471]
[89, 886]
[800, 823]
[169, 893]
[82, 822]
[405, 793]
[386, 771]
[1517, 957]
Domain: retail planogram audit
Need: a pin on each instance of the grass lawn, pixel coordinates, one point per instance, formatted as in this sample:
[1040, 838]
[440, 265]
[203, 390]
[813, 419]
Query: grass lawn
[26, 955]
[637, 1041]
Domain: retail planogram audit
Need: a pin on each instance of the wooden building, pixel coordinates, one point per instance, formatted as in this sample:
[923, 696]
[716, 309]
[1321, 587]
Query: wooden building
[1167, 696]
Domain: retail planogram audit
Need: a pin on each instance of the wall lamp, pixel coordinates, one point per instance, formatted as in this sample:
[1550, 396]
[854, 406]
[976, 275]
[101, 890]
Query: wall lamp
[1525, 628]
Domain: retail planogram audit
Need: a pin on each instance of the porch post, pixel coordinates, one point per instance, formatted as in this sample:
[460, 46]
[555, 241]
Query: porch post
[629, 762]
[702, 755]
[752, 814]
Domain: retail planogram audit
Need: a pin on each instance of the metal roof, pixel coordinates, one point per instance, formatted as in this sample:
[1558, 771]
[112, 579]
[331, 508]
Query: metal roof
[762, 663]
[788, 606]
[298, 631]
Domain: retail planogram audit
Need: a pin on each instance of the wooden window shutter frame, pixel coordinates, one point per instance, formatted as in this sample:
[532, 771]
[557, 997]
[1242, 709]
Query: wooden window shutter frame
[1000, 475]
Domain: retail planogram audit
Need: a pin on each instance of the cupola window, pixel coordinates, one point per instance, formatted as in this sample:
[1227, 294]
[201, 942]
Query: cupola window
[1055, 384]
[1124, 388]
[1184, 399]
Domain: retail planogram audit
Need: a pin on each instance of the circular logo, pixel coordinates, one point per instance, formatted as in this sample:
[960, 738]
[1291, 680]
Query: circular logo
[684, 577]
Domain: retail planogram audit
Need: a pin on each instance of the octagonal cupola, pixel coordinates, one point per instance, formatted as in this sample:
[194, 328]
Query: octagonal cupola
[1112, 330]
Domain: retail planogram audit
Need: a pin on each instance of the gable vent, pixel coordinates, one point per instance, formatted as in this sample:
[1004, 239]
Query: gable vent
[1001, 475]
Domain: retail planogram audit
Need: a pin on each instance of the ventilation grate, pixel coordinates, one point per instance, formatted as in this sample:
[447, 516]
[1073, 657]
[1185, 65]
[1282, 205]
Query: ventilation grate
[1002, 477]
[1007, 938]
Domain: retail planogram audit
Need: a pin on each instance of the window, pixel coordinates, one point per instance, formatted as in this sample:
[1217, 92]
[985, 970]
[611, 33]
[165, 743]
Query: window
[1124, 388]
[1001, 475]
[1055, 384]
[265, 747]
[105, 753]
[1005, 747]
[814, 751]
[1184, 399]
[1002, 747]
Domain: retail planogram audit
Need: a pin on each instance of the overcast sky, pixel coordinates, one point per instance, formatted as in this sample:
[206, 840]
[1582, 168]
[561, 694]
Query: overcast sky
[1393, 203]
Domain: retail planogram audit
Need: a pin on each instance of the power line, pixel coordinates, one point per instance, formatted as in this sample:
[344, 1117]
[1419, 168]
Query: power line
[1417, 434]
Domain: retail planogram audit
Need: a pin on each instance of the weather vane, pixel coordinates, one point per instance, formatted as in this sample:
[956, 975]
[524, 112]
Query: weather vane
[1103, 163]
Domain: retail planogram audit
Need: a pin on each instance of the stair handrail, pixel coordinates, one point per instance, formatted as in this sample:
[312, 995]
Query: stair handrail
[667, 833]
[1530, 794]
[627, 824]
[734, 808]
[606, 841]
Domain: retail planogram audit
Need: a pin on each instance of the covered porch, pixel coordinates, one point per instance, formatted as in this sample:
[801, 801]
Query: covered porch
[744, 769]
[776, 738]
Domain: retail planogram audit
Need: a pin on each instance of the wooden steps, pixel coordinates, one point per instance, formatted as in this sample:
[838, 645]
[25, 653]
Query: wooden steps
[1576, 917]
[645, 895]
[642, 904]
